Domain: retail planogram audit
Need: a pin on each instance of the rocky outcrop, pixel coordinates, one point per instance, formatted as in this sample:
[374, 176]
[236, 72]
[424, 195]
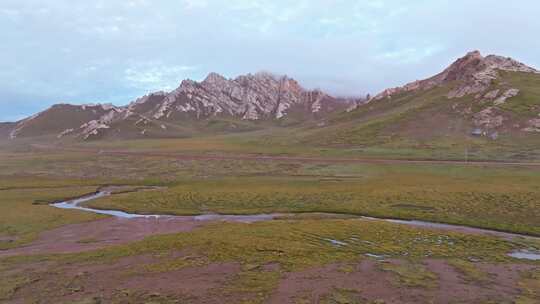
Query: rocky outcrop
[492, 94]
[471, 74]
[488, 119]
[250, 97]
[145, 104]
[533, 125]
[475, 75]
[506, 95]
[355, 103]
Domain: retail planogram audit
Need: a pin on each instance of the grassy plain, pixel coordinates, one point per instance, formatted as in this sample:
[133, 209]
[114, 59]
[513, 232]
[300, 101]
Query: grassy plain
[497, 197]
[293, 245]
[23, 213]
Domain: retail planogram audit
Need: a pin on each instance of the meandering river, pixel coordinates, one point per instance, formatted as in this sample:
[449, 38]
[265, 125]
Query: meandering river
[76, 204]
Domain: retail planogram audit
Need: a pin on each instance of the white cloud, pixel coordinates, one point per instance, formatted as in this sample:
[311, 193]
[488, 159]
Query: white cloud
[410, 55]
[195, 4]
[11, 14]
[155, 76]
[137, 3]
[114, 50]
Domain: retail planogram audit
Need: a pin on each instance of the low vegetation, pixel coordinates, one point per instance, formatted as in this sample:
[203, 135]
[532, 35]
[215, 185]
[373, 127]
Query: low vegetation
[24, 213]
[293, 245]
[502, 199]
[412, 275]
[469, 271]
[530, 285]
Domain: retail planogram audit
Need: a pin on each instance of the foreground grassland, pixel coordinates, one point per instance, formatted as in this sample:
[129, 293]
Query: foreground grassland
[497, 197]
[299, 244]
[291, 245]
[23, 213]
[261, 255]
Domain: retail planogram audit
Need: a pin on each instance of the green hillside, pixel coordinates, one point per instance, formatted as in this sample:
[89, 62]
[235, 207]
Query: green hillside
[428, 124]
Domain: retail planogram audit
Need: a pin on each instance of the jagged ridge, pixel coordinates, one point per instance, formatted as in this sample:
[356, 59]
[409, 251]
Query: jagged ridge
[260, 96]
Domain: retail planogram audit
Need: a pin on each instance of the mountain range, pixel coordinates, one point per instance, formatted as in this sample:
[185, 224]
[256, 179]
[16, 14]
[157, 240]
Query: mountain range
[491, 97]
[215, 103]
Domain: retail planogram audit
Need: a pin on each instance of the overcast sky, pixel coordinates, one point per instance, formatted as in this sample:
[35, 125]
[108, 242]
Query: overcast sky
[82, 51]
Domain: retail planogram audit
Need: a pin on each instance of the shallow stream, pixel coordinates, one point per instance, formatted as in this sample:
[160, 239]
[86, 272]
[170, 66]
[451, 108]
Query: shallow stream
[76, 204]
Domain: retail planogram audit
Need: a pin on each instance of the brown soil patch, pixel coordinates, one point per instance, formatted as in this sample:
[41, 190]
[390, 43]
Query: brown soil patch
[371, 283]
[119, 283]
[101, 233]
[503, 284]
[126, 281]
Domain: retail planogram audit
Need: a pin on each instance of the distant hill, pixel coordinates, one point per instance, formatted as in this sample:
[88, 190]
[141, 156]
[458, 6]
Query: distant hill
[478, 102]
[58, 119]
[216, 104]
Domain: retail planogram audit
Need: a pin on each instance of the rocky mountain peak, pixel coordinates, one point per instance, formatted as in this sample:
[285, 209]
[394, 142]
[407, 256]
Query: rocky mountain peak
[463, 67]
[474, 63]
[471, 56]
[508, 64]
[476, 73]
[256, 96]
[262, 75]
[473, 74]
[186, 83]
[214, 79]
